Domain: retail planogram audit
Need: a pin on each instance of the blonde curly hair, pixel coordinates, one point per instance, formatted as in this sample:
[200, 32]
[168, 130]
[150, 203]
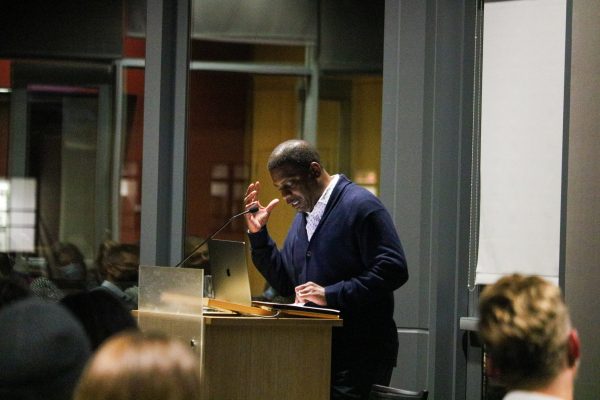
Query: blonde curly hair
[524, 325]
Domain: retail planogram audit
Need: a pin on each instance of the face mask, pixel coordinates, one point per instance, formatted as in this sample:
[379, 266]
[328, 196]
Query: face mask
[71, 271]
[129, 276]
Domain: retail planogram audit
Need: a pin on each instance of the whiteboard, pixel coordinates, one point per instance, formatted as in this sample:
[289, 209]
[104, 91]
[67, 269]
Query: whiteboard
[522, 104]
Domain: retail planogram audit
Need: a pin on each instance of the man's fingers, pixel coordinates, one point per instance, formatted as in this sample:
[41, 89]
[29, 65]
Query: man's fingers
[250, 205]
[271, 205]
[250, 197]
[304, 285]
[250, 189]
[253, 187]
[303, 290]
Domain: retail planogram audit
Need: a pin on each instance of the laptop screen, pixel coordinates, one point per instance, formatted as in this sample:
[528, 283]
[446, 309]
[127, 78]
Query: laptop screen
[229, 271]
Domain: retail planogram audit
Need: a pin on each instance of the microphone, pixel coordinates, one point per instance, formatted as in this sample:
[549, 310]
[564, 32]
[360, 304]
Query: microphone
[251, 210]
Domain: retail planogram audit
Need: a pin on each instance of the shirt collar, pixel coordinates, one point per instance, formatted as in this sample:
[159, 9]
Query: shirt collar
[327, 192]
[523, 394]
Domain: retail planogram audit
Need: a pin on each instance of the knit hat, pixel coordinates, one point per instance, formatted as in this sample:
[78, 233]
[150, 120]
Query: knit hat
[45, 289]
[43, 350]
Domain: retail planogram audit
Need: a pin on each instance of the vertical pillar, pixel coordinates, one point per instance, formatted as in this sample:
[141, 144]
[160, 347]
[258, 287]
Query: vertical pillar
[165, 118]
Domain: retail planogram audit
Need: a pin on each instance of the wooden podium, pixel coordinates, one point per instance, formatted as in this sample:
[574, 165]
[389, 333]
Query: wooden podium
[243, 357]
[267, 358]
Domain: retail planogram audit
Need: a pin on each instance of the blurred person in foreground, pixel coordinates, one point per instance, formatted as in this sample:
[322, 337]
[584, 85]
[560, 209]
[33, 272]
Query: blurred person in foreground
[532, 348]
[342, 251]
[131, 366]
[43, 350]
[100, 313]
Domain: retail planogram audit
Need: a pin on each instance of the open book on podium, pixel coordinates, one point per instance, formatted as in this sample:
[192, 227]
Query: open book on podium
[269, 309]
[299, 309]
[256, 308]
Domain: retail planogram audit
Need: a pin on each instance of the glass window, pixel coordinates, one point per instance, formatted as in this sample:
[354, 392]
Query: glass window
[77, 136]
[235, 119]
[59, 125]
[349, 127]
[130, 150]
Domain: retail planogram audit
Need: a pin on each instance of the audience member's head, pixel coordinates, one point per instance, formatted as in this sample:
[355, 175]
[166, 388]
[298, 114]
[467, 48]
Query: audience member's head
[12, 290]
[527, 333]
[131, 366]
[101, 314]
[70, 263]
[43, 351]
[122, 264]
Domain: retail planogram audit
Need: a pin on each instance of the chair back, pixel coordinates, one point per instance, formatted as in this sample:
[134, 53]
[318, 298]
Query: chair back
[380, 392]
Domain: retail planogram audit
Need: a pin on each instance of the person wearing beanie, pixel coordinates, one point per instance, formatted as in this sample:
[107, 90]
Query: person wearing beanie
[43, 351]
[45, 289]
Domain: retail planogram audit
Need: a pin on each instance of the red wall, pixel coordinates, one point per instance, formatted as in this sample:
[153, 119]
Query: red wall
[4, 117]
[4, 74]
[217, 125]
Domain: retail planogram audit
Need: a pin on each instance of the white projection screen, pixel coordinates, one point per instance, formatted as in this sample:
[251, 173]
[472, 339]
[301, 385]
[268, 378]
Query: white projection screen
[522, 105]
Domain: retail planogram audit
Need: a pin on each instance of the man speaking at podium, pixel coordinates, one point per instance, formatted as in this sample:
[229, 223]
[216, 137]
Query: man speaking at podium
[342, 251]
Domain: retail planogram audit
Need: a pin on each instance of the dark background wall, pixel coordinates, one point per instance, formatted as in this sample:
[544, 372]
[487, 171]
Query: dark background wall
[90, 29]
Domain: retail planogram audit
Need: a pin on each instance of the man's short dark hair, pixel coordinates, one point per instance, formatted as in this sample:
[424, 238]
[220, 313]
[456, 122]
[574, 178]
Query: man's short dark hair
[115, 263]
[296, 153]
[115, 254]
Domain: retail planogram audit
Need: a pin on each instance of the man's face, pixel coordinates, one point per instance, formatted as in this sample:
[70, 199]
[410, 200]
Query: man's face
[298, 187]
[126, 270]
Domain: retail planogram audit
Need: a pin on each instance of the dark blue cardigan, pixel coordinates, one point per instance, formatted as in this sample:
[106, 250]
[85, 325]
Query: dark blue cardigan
[355, 253]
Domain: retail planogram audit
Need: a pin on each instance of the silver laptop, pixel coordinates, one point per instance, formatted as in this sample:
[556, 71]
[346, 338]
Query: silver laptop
[229, 271]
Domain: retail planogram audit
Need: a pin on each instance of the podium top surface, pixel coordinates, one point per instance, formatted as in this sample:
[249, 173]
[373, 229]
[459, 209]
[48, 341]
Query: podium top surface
[218, 320]
[239, 320]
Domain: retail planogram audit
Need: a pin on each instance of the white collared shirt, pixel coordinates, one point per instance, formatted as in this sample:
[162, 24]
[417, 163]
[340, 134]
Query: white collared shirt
[527, 395]
[314, 217]
[123, 295]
